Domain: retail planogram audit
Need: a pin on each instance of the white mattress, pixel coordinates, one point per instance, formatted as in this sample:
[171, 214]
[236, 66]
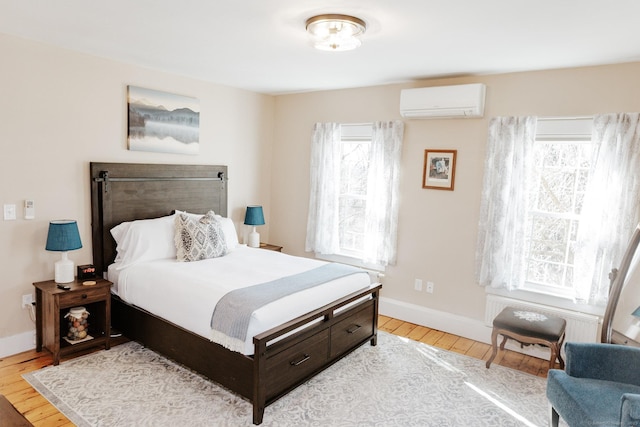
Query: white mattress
[186, 293]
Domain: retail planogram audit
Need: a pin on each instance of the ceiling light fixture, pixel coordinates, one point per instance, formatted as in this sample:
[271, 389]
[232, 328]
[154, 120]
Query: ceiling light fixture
[335, 32]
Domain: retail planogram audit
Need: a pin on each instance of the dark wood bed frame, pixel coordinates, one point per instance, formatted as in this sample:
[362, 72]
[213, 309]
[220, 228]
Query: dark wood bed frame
[126, 191]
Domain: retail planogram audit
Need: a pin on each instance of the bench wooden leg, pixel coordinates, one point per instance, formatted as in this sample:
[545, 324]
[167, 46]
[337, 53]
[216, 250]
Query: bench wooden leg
[504, 341]
[494, 346]
[555, 353]
[560, 360]
[556, 347]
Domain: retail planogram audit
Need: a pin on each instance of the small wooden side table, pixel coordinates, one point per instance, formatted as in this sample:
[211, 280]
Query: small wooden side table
[53, 303]
[270, 247]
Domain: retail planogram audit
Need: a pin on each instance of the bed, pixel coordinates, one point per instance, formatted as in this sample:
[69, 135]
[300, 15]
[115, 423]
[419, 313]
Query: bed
[273, 361]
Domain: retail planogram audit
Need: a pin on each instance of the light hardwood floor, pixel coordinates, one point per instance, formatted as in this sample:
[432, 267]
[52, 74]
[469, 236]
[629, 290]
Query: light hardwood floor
[41, 413]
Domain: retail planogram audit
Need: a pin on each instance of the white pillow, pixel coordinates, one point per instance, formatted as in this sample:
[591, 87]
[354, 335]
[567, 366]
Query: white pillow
[120, 230]
[199, 237]
[144, 240]
[230, 234]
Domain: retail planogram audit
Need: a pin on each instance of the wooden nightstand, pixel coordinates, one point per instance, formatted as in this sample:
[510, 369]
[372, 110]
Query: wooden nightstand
[270, 247]
[53, 303]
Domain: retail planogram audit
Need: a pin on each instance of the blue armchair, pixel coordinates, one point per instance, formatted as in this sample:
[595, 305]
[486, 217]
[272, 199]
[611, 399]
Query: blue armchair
[600, 386]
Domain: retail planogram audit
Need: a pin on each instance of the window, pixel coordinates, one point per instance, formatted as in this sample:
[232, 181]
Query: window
[563, 155]
[354, 192]
[355, 153]
[559, 201]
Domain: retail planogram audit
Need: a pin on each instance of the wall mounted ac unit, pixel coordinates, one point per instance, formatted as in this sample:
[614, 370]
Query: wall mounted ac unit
[461, 101]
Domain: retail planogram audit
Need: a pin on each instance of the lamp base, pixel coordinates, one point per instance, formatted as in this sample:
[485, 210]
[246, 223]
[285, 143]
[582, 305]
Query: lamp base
[64, 270]
[254, 239]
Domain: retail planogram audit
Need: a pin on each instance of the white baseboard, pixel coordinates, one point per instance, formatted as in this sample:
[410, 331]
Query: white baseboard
[462, 326]
[435, 319]
[17, 343]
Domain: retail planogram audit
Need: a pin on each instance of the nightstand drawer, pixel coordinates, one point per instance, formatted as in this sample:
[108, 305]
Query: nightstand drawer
[82, 296]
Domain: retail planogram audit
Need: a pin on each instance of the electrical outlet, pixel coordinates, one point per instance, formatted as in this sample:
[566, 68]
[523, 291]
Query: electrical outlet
[430, 287]
[417, 284]
[27, 300]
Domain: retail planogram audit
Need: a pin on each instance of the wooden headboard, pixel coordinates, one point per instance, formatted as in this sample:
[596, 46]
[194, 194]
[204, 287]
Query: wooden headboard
[128, 191]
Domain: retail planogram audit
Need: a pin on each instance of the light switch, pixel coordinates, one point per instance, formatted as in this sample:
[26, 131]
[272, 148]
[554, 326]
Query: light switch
[9, 212]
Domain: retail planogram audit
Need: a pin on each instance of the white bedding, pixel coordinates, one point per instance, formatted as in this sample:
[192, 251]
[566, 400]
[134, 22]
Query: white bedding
[186, 293]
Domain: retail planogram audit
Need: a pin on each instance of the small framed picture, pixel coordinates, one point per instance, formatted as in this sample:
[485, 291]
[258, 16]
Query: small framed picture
[439, 169]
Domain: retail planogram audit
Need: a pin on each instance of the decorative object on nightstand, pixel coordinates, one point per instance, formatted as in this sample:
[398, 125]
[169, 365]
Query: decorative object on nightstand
[87, 271]
[53, 327]
[63, 237]
[78, 325]
[254, 217]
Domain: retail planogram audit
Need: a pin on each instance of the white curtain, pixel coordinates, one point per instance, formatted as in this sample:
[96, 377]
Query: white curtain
[382, 192]
[501, 246]
[383, 188]
[322, 221]
[611, 208]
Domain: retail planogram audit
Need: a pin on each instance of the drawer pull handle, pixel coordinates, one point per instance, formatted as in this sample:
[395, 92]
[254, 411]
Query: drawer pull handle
[84, 296]
[353, 328]
[301, 361]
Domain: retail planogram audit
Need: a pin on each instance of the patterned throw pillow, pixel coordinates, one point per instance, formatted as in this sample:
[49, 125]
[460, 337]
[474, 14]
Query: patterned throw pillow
[199, 238]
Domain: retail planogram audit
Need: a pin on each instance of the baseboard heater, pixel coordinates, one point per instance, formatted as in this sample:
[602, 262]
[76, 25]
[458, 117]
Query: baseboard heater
[581, 327]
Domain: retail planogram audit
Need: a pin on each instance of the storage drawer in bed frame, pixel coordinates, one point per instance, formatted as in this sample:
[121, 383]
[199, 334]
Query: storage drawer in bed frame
[297, 361]
[351, 331]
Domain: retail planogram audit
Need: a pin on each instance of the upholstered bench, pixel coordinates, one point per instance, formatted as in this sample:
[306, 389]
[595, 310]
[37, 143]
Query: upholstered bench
[9, 415]
[528, 327]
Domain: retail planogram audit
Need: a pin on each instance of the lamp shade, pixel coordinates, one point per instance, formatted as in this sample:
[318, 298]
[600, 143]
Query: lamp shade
[63, 236]
[254, 216]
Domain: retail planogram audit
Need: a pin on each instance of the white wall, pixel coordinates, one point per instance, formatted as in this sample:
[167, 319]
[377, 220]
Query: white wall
[61, 110]
[437, 229]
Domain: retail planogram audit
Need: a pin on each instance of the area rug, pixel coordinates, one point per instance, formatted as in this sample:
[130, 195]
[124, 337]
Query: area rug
[399, 382]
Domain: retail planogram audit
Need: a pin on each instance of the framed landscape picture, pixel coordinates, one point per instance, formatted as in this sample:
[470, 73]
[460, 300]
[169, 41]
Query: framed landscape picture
[439, 170]
[163, 122]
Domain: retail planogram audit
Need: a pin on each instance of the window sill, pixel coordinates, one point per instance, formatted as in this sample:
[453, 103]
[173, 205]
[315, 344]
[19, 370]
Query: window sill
[548, 299]
[343, 259]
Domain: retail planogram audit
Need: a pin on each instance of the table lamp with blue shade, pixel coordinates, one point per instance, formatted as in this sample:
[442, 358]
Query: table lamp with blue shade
[63, 237]
[254, 216]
